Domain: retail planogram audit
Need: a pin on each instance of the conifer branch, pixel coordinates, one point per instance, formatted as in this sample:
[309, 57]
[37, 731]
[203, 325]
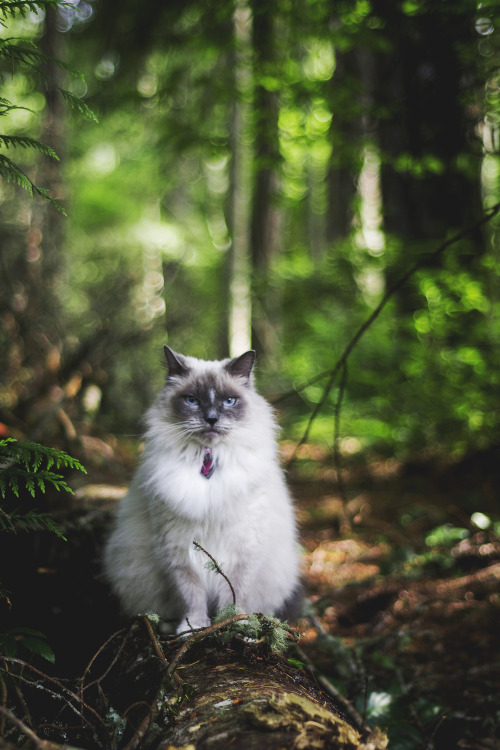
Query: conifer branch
[11, 172]
[25, 142]
[24, 53]
[23, 7]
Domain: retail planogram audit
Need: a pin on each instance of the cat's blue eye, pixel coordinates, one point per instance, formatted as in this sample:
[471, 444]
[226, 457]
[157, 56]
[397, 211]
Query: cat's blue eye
[191, 401]
[230, 401]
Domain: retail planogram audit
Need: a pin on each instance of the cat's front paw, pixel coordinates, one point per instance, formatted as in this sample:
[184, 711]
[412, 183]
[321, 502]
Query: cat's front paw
[192, 623]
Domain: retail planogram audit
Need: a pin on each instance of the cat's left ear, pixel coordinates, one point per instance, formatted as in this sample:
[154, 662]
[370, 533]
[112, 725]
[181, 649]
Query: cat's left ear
[174, 362]
[241, 367]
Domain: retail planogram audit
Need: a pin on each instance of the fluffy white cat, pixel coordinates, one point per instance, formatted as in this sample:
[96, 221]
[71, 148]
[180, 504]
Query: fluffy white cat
[209, 473]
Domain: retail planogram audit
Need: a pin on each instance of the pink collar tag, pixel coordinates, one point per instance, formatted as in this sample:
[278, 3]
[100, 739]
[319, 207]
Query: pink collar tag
[208, 466]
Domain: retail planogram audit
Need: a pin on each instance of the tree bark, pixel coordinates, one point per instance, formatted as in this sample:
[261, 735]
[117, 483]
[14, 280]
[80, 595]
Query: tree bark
[230, 695]
[265, 219]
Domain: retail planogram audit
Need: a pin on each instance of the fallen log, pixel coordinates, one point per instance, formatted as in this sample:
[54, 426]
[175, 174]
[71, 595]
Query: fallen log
[218, 689]
[222, 686]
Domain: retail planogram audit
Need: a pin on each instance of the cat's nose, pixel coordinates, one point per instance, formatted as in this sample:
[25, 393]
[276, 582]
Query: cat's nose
[211, 417]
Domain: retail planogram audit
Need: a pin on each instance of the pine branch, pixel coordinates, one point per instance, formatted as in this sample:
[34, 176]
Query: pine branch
[25, 52]
[78, 103]
[6, 106]
[30, 465]
[30, 520]
[23, 7]
[11, 172]
[23, 141]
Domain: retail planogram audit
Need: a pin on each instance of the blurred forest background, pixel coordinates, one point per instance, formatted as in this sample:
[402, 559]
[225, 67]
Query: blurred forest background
[261, 174]
[317, 180]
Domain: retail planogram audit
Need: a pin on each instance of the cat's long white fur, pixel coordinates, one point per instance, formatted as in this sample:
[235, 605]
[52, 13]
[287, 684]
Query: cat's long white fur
[242, 515]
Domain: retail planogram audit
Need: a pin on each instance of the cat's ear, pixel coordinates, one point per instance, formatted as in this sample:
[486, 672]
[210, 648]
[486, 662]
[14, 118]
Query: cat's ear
[241, 367]
[174, 362]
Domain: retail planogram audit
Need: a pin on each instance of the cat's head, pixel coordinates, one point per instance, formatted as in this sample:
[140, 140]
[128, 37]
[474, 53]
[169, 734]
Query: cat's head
[208, 400]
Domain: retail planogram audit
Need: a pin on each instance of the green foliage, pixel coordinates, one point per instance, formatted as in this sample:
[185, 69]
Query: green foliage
[23, 7]
[31, 466]
[25, 639]
[257, 627]
[153, 189]
[23, 53]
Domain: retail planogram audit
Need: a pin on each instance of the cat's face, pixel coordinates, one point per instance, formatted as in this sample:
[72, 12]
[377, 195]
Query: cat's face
[208, 400]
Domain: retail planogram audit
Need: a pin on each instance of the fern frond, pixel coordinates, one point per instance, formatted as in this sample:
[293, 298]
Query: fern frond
[25, 52]
[13, 7]
[25, 142]
[32, 463]
[11, 172]
[77, 103]
[32, 520]
[6, 106]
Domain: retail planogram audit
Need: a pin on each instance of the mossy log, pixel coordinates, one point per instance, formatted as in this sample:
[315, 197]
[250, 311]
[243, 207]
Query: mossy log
[209, 693]
[213, 688]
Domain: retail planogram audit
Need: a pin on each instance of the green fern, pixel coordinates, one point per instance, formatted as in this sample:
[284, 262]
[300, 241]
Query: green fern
[24, 53]
[23, 7]
[25, 142]
[32, 465]
[11, 172]
[30, 520]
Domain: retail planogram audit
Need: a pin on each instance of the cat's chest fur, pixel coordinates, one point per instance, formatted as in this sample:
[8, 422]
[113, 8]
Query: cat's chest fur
[176, 485]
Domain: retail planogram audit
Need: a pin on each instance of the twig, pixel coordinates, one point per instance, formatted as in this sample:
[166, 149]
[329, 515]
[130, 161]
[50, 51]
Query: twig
[332, 373]
[30, 734]
[143, 727]
[154, 641]
[60, 686]
[336, 438]
[197, 636]
[433, 733]
[99, 651]
[22, 727]
[218, 569]
[352, 713]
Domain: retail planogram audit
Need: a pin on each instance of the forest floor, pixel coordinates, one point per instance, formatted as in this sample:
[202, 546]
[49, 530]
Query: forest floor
[402, 583]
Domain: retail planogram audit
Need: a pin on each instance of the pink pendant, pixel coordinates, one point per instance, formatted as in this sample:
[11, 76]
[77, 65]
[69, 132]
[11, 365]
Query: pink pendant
[208, 466]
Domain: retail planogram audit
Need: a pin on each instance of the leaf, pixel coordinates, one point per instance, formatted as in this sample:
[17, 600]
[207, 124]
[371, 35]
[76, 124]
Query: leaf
[37, 646]
[296, 663]
[8, 644]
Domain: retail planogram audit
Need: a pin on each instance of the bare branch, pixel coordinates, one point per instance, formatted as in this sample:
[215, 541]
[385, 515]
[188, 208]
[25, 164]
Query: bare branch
[217, 569]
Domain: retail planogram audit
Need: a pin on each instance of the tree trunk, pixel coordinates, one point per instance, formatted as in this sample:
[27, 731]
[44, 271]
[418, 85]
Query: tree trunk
[239, 313]
[430, 174]
[265, 217]
[346, 135]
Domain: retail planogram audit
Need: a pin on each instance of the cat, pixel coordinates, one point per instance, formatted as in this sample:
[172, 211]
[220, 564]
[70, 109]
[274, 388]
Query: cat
[209, 474]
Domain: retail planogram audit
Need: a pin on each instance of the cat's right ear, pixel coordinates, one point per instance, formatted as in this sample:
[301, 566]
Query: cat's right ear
[174, 362]
[241, 367]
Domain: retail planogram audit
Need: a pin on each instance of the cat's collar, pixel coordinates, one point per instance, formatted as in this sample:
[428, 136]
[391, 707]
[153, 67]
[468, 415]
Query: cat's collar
[208, 465]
